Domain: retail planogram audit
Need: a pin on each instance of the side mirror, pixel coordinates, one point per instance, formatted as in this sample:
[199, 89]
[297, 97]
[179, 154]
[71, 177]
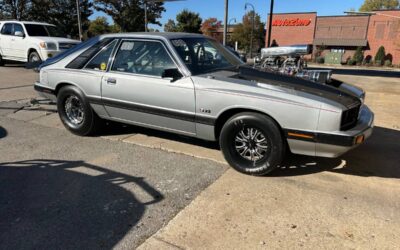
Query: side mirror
[173, 74]
[19, 34]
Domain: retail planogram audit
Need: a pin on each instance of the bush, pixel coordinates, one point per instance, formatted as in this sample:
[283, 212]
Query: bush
[380, 56]
[320, 59]
[358, 56]
[351, 62]
[388, 63]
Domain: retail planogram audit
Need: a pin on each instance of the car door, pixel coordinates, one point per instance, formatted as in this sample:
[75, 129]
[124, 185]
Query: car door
[134, 89]
[18, 43]
[5, 39]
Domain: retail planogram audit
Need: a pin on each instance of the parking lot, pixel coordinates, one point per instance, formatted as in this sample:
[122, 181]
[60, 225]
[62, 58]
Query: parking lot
[120, 188]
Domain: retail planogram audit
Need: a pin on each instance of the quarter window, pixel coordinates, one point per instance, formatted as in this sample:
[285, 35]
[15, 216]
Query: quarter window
[7, 29]
[142, 57]
[100, 61]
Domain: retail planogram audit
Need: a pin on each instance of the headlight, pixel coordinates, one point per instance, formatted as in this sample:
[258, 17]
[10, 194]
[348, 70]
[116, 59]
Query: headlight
[49, 46]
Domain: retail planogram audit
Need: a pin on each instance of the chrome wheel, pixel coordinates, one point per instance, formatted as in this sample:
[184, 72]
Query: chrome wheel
[74, 110]
[251, 144]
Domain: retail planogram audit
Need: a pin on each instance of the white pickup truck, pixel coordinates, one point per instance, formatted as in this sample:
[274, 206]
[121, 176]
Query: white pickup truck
[31, 41]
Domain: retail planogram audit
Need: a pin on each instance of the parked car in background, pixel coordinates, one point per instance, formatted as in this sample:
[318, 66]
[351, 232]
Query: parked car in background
[192, 85]
[31, 41]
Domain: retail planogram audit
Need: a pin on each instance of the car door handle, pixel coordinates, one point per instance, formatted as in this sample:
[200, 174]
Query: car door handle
[111, 81]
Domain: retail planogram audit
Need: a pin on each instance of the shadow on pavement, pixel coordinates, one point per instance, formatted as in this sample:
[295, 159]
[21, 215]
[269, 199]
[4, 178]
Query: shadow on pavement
[3, 132]
[379, 157]
[52, 204]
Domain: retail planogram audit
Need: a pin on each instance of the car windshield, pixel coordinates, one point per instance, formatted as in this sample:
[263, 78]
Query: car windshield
[203, 55]
[43, 30]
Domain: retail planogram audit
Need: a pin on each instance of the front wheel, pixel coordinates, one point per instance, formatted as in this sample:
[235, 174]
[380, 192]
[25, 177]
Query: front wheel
[252, 143]
[75, 111]
[34, 57]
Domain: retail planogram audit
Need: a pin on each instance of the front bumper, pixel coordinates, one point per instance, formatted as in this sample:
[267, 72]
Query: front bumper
[332, 144]
[46, 54]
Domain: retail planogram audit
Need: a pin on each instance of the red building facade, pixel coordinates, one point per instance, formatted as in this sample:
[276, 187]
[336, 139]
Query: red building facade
[341, 33]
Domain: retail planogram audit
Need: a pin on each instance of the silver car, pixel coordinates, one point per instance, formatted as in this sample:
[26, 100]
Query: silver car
[189, 84]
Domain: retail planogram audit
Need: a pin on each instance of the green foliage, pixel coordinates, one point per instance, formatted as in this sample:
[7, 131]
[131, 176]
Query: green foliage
[388, 63]
[380, 56]
[129, 14]
[370, 5]
[188, 21]
[242, 32]
[100, 26]
[358, 56]
[320, 59]
[170, 26]
[351, 62]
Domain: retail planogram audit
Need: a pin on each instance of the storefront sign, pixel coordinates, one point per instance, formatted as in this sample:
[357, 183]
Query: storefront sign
[291, 22]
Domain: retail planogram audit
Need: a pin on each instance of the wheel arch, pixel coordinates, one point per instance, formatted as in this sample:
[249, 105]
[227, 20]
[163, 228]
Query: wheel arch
[32, 49]
[227, 114]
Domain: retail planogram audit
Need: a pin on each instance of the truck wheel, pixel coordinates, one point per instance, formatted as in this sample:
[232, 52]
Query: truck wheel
[34, 57]
[75, 111]
[252, 143]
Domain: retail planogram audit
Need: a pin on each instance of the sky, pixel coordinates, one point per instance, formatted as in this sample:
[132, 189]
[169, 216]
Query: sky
[215, 8]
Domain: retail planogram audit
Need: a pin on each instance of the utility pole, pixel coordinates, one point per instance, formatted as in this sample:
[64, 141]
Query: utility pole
[78, 11]
[271, 11]
[226, 22]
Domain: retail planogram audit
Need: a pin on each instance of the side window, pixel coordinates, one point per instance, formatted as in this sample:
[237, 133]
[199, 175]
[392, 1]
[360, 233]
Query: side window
[142, 57]
[18, 27]
[100, 61]
[7, 29]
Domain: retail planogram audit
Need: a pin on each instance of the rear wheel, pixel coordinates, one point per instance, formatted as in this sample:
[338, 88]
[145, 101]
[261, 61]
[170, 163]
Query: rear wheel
[75, 111]
[34, 57]
[252, 143]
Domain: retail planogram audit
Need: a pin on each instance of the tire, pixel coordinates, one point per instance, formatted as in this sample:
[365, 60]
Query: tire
[75, 112]
[257, 156]
[34, 57]
[1, 61]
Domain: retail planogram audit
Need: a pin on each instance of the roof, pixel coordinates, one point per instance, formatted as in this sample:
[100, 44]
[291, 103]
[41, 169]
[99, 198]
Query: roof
[165, 35]
[25, 22]
[341, 42]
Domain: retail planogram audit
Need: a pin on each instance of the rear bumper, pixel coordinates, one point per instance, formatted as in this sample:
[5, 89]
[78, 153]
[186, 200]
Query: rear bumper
[332, 144]
[45, 91]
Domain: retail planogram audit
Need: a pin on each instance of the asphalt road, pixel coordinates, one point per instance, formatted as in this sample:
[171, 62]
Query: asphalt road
[58, 190]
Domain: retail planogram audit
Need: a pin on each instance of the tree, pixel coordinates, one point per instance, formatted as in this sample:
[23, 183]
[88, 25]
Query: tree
[210, 25]
[99, 26]
[62, 13]
[370, 5]
[242, 32]
[14, 9]
[170, 26]
[358, 56]
[380, 56]
[129, 14]
[188, 21]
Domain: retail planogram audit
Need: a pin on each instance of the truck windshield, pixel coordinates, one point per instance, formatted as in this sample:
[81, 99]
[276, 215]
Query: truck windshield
[43, 30]
[202, 55]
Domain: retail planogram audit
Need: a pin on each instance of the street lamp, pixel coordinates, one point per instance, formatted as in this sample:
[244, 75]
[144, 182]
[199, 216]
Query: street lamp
[230, 20]
[145, 9]
[252, 28]
[225, 23]
[271, 11]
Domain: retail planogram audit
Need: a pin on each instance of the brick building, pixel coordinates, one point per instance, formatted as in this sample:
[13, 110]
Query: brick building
[340, 34]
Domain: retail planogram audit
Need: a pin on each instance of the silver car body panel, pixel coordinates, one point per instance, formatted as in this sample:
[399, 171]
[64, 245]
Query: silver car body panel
[193, 104]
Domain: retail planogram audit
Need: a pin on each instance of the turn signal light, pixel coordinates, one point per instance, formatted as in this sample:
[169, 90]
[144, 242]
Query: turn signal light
[359, 139]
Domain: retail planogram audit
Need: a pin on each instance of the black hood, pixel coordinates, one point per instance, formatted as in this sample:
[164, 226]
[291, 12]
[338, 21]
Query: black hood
[298, 84]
